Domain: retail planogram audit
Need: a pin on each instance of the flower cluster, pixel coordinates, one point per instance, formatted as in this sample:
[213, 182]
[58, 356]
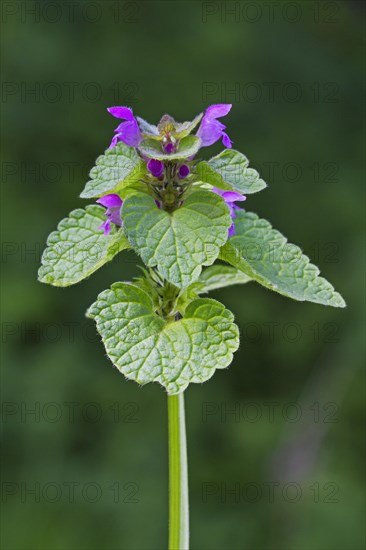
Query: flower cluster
[166, 137]
[133, 130]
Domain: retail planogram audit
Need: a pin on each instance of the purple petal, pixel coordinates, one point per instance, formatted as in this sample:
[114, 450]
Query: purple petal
[232, 196]
[209, 132]
[183, 171]
[156, 167]
[169, 148]
[114, 215]
[110, 201]
[106, 226]
[218, 110]
[229, 196]
[113, 142]
[233, 210]
[121, 112]
[226, 140]
[218, 191]
[158, 204]
[129, 133]
[231, 230]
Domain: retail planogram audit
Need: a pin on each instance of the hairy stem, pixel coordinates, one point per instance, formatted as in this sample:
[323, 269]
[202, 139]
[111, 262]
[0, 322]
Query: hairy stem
[178, 475]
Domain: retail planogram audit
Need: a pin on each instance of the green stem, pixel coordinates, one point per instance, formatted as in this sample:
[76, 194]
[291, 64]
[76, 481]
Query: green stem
[178, 475]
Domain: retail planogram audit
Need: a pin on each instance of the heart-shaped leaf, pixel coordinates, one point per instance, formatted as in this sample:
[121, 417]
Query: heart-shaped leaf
[265, 256]
[117, 168]
[78, 247]
[147, 348]
[177, 243]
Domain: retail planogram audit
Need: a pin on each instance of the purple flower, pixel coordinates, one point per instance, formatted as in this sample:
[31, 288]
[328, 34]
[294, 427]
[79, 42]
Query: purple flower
[169, 148]
[113, 205]
[128, 131]
[156, 167]
[183, 171]
[230, 197]
[211, 129]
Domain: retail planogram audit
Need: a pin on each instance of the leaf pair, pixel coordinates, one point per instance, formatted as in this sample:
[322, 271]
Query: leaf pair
[178, 244]
[147, 348]
[78, 248]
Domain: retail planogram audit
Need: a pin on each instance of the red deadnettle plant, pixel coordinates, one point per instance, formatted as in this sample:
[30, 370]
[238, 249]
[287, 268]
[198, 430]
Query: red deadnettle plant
[180, 215]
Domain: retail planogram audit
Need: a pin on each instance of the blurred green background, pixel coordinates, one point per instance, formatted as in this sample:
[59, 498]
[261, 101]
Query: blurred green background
[276, 442]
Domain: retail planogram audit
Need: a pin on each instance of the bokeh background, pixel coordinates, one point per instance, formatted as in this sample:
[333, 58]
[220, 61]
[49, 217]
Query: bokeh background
[276, 441]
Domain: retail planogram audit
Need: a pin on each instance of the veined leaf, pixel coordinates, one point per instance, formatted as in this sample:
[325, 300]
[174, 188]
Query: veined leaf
[229, 170]
[147, 348]
[78, 247]
[219, 276]
[264, 255]
[119, 167]
[178, 244]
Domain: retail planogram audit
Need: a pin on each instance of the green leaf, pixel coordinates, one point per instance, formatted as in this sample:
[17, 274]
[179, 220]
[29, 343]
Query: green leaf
[78, 247]
[265, 255]
[117, 168]
[219, 276]
[207, 174]
[214, 277]
[229, 170]
[147, 348]
[188, 146]
[147, 128]
[185, 128]
[177, 243]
